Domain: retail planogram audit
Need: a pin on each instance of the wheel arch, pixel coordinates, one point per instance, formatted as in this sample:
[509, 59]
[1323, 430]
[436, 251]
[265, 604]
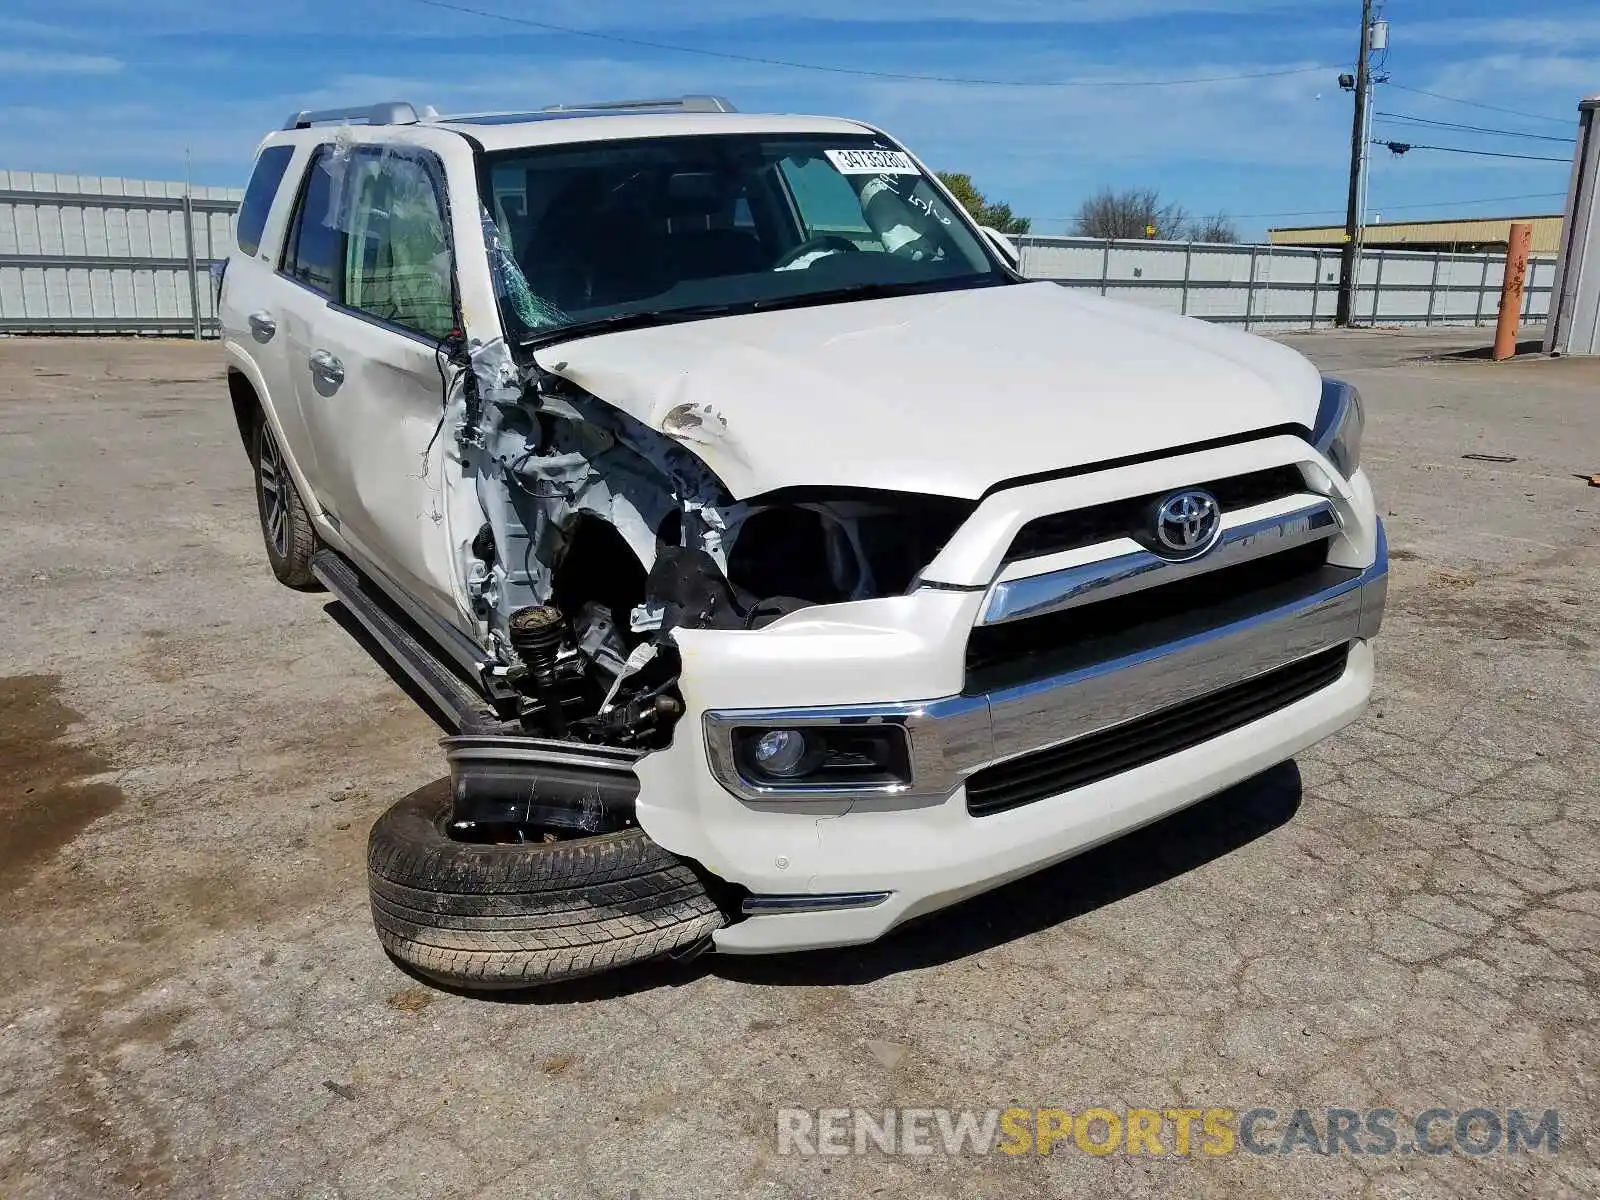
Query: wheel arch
[247, 407]
[599, 562]
[253, 403]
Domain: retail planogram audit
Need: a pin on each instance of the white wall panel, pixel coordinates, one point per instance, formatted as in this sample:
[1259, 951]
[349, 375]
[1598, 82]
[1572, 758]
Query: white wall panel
[125, 248]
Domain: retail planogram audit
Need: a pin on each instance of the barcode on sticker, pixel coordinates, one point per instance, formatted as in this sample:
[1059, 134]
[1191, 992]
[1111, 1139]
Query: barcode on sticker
[872, 162]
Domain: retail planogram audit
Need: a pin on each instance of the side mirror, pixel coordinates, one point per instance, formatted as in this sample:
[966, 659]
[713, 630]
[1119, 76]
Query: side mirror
[1007, 248]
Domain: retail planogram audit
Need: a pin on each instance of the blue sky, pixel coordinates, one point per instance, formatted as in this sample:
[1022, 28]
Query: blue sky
[113, 87]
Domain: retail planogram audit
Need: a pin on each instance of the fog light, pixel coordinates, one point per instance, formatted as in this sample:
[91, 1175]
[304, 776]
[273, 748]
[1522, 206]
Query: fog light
[781, 752]
[811, 758]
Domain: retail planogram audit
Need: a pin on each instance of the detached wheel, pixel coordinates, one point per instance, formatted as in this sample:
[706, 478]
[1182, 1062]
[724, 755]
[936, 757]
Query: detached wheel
[285, 526]
[510, 916]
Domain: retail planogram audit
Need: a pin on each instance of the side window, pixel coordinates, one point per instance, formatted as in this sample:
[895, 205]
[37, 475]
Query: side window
[258, 196]
[398, 265]
[314, 250]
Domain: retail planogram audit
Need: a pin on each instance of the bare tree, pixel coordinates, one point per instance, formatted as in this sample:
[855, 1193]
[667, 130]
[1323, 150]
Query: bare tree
[1218, 227]
[1131, 213]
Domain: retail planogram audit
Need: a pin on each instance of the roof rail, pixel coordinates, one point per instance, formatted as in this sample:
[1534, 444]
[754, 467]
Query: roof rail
[695, 104]
[392, 112]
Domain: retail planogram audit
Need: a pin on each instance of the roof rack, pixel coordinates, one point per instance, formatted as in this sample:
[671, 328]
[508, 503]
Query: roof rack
[694, 104]
[392, 112]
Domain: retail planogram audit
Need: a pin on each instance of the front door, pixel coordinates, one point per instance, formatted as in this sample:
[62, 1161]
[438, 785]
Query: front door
[369, 364]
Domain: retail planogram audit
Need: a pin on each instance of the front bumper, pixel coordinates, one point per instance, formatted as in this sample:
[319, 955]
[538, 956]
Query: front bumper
[844, 869]
[926, 861]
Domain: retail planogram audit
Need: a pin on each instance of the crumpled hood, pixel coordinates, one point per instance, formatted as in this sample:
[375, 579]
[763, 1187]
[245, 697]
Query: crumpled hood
[948, 393]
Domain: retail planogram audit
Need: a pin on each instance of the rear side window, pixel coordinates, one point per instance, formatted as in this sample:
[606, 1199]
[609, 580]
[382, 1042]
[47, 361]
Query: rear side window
[314, 254]
[258, 196]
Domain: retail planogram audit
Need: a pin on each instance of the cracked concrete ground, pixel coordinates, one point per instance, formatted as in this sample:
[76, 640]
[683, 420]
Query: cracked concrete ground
[193, 1003]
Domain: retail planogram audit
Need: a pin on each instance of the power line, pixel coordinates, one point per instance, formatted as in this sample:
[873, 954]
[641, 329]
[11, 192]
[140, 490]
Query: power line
[1407, 147]
[644, 43]
[1542, 137]
[1328, 212]
[1515, 112]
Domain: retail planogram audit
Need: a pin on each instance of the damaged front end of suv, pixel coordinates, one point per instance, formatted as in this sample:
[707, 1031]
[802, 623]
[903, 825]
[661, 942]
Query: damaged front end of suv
[601, 538]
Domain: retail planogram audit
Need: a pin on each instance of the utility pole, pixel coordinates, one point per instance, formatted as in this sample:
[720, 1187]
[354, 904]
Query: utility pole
[1358, 154]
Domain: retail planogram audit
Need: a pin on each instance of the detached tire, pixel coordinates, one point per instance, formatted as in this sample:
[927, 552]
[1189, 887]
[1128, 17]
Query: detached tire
[512, 916]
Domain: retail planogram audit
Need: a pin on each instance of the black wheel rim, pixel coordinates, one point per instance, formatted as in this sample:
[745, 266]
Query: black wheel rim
[272, 483]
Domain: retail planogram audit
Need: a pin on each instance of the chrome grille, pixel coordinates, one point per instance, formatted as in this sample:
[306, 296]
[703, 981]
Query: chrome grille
[1098, 756]
[1131, 517]
[1020, 651]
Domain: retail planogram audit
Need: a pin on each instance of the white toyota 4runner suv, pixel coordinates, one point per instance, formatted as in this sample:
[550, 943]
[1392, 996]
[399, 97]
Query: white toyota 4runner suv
[783, 564]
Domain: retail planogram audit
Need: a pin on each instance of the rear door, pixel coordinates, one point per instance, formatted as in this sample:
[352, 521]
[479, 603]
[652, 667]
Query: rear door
[371, 247]
[249, 308]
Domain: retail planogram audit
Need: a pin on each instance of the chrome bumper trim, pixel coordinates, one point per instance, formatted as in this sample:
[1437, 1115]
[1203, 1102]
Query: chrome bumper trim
[820, 902]
[955, 736]
[1036, 595]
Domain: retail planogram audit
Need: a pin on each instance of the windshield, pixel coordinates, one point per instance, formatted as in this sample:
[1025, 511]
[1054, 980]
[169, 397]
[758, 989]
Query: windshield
[677, 227]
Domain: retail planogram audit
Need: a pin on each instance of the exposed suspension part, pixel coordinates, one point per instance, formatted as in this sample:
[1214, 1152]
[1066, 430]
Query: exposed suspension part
[536, 635]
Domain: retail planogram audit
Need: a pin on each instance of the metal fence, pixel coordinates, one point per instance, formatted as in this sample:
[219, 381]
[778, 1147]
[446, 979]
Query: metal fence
[1263, 287]
[81, 254]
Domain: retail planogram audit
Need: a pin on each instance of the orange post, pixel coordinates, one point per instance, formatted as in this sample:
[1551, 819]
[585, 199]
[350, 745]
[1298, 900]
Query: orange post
[1516, 281]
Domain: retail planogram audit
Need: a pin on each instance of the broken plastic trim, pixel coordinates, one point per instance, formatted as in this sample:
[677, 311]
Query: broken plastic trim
[539, 784]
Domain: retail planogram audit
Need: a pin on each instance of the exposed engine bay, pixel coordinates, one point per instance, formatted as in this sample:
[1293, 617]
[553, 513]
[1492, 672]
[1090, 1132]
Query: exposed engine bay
[600, 536]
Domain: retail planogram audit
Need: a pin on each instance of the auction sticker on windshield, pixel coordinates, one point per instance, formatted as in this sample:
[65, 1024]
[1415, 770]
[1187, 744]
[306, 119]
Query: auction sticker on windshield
[872, 162]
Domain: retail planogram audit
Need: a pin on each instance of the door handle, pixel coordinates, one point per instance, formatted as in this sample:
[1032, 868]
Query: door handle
[262, 325]
[327, 369]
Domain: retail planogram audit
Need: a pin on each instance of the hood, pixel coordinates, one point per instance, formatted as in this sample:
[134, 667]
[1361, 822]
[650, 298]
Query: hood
[946, 393]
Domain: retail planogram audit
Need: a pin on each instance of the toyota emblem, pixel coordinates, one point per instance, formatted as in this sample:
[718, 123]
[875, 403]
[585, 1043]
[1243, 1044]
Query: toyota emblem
[1188, 523]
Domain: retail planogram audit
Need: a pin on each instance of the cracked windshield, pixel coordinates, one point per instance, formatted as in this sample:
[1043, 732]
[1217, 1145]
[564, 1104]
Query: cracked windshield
[623, 233]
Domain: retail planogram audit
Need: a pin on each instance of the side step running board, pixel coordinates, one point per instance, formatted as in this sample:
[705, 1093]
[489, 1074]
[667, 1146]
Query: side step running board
[499, 775]
[457, 700]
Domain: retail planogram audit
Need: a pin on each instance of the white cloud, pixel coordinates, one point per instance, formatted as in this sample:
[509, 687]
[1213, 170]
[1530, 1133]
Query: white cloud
[1018, 142]
[150, 137]
[38, 62]
[1548, 83]
[1552, 32]
[18, 27]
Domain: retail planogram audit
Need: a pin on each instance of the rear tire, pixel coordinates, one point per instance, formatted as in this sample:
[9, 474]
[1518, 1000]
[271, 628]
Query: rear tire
[285, 525]
[485, 917]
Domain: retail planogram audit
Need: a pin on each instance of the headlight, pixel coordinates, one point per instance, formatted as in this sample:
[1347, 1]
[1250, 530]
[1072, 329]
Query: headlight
[1340, 423]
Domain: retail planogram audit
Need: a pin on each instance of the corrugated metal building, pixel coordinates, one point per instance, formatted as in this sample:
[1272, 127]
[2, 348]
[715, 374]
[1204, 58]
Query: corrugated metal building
[87, 254]
[1462, 237]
